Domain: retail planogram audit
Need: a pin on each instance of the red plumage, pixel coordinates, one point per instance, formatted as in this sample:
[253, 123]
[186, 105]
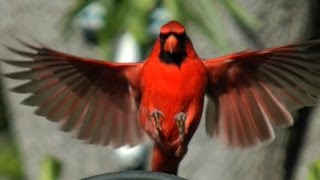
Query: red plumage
[115, 104]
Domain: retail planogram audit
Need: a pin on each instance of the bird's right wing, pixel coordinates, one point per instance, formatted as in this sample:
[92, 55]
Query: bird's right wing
[91, 97]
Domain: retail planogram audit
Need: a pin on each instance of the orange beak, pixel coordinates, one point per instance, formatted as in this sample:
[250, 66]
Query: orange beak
[171, 44]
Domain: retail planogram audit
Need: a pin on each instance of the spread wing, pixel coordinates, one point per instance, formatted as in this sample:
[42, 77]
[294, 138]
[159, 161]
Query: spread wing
[90, 97]
[253, 90]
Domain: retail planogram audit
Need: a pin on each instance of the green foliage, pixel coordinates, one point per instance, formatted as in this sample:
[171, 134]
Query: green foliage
[50, 168]
[314, 171]
[241, 15]
[134, 16]
[10, 162]
[3, 112]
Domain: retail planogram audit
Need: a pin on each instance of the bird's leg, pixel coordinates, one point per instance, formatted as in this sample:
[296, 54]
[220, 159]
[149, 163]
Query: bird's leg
[180, 119]
[156, 115]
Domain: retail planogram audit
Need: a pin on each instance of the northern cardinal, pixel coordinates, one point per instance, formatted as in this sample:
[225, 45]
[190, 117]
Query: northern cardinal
[163, 96]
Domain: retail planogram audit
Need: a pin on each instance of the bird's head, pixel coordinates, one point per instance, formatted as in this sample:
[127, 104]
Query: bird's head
[172, 37]
[173, 41]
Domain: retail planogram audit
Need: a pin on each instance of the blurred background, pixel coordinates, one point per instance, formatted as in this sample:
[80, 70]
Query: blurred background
[125, 30]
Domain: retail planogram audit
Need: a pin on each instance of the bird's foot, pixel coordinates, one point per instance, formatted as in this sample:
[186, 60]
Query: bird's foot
[181, 151]
[180, 119]
[156, 116]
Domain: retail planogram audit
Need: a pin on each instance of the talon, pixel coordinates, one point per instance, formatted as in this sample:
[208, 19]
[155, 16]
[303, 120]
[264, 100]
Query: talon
[156, 114]
[181, 151]
[180, 121]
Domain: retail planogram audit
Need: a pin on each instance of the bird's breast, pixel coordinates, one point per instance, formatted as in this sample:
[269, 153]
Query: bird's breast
[171, 89]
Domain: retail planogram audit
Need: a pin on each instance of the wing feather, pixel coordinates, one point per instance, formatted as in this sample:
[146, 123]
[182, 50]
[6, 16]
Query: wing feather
[254, 89]
[89, 97]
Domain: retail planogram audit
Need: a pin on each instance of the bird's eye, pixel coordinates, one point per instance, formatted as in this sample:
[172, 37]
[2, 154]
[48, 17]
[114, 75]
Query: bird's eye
[163, 36]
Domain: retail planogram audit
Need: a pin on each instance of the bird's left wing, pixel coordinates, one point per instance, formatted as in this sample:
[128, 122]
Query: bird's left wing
[253, 90]
[91, 97]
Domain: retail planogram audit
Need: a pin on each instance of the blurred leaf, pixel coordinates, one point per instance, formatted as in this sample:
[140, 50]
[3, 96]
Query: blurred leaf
[176, 9]
[138, 23]
[50, 168]
[79, 5]
[241, 15]
[3, 112]
[247, 23]
[10, 162]
[314, 171]
[134, 16]
[213, 24]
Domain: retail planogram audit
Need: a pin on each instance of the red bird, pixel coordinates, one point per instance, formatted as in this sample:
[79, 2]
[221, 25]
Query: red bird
[117, 104]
